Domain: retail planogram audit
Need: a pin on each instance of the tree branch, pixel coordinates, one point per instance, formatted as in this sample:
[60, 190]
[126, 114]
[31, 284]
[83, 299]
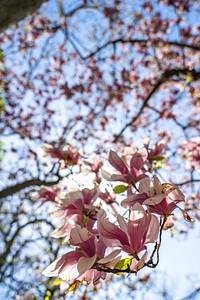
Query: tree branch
[156, 44]
[13, 11]
[164, 77]
[11, 190]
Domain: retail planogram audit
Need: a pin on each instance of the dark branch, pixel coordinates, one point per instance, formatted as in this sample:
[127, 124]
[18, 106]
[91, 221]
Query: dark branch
[157, 44]
[11, 190]
[164, 77]
[13, 11]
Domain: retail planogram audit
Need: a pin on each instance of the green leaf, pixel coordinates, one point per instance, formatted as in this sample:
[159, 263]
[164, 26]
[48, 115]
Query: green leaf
[86, 219]
[123, 264]
[158, 158]
[120, 189]
[1, 53]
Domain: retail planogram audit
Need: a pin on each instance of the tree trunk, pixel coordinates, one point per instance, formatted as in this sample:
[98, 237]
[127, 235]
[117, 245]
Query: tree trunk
[12, 11]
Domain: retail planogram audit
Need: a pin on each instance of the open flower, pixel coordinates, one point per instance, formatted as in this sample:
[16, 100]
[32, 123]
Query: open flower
[132, 235]
[76, 208]
[71, 156]
[156, 150]
[78, 264]
[129, 166]
[160, 198]
[77, 204]
[46, 194]
[191, 152]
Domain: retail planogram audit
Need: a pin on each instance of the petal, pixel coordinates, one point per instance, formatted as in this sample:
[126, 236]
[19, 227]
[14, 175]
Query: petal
[79, 235]
[157, 185]
[86, 263]
[105, 175]
[153, 231]
[137, 161]
[109, 257]
[143, 152]
[62, 231]
[89, 195]
[110, 233]
[137, 212]
[122, 223]
[176, 195]
[131, 200]
[64, 261]
[154, 200]
[117, 162]
[144, 185]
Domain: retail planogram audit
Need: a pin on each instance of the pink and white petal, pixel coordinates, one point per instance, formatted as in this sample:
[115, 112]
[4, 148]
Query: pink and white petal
[137, 265]
[122, 223]
[86, 263]
[112, 263]
[136, 162]
[109, 257]
[90, 195]
[137, 212]
[143, 152]
[54, 268]
[153, 231]
[62, 231]
[131, 200]
[111, 235]
[176, 195]
[69, 270]
[105, 175]
[154, 200]
[157, 185]
[117, 177]
[57, 212]
[79, 235]
[117, 162]
[144, 186]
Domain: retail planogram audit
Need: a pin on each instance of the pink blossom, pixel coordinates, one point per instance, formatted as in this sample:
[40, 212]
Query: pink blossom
[77, 207]
[132, 235]
[78, 264]
[191, 152]
[46, 194]
[129, 167]
[160, 198]
[156, 150]
[71, 156]
[78, 203]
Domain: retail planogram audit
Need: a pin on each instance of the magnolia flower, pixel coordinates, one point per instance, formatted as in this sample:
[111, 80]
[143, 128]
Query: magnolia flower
[129, 167]
[160, 198]
[77, 204]
[80, 264]
[156, 150]
[46, 194]
[71, 156]
[191, 152]
[132, 235]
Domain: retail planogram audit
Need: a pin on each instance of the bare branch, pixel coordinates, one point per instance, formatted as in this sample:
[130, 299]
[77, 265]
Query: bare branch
[164, 77]
[11, 190]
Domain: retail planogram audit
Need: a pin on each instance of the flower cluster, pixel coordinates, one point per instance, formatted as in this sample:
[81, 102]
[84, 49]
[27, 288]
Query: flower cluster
[102, 246]
[191, 152]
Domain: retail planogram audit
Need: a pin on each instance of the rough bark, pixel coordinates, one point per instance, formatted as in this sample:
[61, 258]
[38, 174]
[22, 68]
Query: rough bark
[12, 11]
